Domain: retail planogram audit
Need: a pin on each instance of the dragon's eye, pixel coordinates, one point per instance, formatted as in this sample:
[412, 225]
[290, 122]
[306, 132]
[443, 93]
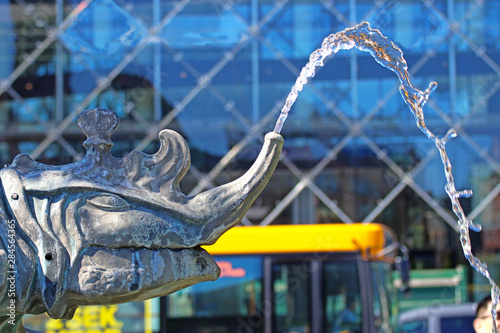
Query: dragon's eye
[109, 202]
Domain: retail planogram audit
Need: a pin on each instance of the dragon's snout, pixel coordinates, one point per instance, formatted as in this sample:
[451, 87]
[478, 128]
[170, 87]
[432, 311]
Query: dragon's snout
[119, 229]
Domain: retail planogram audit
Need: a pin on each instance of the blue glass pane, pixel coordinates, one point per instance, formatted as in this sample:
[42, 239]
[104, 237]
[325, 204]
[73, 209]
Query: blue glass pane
[103, 28]
[457, 325]
[216, 29]
[7, 40]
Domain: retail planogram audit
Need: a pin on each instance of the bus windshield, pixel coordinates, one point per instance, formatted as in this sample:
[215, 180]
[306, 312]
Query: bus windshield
[236, 293]
[234, 302]
[328, 285]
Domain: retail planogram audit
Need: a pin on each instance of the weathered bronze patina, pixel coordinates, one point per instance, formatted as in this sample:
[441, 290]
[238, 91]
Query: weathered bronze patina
[108, 230]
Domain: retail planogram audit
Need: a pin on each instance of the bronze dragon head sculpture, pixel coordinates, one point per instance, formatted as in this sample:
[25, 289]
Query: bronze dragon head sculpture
[107, 230]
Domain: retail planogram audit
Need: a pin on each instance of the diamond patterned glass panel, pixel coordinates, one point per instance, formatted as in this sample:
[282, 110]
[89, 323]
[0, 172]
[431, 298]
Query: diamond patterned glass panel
[103, 28]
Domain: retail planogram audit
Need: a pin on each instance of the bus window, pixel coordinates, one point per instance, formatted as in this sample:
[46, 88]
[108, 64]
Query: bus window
[341, 297]
[232, 301]
[384, 303]
[291, 297]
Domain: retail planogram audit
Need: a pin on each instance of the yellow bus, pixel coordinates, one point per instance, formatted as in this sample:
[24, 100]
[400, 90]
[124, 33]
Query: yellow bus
[325, 278]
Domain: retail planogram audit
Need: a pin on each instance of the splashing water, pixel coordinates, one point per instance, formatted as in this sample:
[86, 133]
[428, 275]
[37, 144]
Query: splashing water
[390, 56]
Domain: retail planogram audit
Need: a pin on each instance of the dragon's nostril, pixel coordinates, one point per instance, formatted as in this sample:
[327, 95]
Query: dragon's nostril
[48, 256]
[202, 262]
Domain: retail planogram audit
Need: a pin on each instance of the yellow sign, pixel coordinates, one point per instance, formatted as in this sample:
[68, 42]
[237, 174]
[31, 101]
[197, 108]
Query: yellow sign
[88, 319]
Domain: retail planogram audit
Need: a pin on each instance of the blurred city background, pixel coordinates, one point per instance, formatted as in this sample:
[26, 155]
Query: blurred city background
[218, 72]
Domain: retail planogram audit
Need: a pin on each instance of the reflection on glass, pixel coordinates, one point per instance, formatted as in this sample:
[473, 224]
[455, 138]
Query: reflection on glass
[419, 326]
[341, 298]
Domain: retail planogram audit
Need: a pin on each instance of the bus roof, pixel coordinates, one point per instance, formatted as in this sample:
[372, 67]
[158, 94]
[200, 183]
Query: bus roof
[302, 238]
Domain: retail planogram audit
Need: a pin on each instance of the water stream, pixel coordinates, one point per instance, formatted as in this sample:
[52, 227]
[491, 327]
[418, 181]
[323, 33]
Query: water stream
[386, 53]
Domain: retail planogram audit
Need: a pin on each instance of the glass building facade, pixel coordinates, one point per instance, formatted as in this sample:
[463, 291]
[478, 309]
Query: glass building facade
[218, 72]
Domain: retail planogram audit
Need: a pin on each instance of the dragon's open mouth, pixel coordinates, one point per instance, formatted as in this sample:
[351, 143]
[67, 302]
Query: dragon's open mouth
[141, 271]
